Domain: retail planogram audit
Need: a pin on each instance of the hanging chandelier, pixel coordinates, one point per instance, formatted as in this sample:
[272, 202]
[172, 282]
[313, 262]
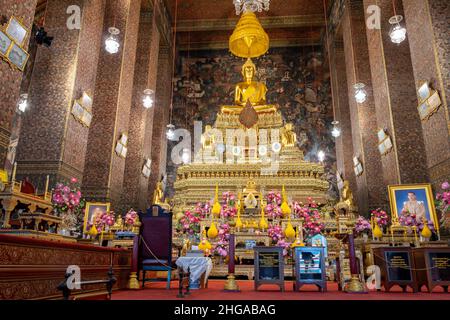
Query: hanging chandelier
[397, 32]
[112, 44]
[251, 6]
[360, 92]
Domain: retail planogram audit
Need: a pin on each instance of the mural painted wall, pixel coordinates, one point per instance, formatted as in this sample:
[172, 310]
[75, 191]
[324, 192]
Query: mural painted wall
[297, 79]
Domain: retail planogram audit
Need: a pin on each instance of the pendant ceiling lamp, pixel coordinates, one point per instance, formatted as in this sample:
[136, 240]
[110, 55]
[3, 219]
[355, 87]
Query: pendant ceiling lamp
[249, 40]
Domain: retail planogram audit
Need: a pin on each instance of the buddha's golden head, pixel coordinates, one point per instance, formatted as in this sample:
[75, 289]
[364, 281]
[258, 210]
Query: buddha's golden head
[248, 70]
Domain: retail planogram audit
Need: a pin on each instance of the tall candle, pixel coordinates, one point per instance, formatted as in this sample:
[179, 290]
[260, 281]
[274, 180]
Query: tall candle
[13, 178]
[46, 186]
[231, 262]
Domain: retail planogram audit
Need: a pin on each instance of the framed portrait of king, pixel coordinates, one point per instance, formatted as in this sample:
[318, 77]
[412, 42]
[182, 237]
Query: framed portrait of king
[416, 199]
[92, 212]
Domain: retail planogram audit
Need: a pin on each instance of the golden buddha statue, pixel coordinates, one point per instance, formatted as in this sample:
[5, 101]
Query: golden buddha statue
[118, 225]
[158, 194]
[347, 195]
[288, 136]
[249, 91]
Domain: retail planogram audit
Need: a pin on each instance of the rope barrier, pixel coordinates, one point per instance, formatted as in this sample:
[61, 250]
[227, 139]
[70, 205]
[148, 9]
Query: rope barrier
[406, 268]
[154, 256]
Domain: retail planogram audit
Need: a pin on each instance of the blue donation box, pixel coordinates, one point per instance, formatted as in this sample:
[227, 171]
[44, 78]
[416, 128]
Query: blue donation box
[309, 267]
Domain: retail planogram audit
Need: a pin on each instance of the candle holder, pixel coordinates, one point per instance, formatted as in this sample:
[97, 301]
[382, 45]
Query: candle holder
[230, 284]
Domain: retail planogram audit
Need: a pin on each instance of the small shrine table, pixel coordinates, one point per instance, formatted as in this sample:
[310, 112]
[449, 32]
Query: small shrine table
[432, 267]
[269, 266]
[198, 267]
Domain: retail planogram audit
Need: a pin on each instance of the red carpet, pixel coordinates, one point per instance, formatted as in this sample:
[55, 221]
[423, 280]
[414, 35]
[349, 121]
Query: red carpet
[157, 291]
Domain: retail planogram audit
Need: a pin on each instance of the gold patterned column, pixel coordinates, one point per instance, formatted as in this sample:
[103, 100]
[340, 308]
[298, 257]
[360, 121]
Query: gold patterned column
[104, 170]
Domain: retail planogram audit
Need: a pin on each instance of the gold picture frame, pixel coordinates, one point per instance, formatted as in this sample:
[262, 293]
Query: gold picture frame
[5, 44]
[82, 110]
[93, 208]
[17, 31]
[384, 142]
[429, 101]
[424, 91]
[422, 192]
[17, 57]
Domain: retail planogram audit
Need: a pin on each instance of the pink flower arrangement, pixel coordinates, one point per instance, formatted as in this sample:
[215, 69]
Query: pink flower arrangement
[67, 198]
[408, 219]
[275, 232]
[221, 247]
[443, 199]
[285, 245]
[380, 217]
[68, 203]
[106, 219]
[362, 225]
[202, 209]
[131, 218]
[228, 205]
[190, 222]
[273, 207]
[311, 215]
[274, 197]
[313, 225]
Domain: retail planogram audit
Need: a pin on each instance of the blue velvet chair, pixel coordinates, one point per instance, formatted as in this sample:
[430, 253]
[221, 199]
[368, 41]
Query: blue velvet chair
[155, 244]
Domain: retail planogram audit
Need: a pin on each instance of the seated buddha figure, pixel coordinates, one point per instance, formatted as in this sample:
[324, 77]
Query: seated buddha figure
[249, 91]
[288, 136]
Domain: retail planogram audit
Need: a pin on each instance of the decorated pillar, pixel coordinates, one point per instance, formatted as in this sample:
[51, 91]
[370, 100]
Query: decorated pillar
[371, 190]
[108, 137]
[427, 24]
[161, 117]
[137, 173]
[52, 140]
[396, 101]
[344, 144]
[12, 78]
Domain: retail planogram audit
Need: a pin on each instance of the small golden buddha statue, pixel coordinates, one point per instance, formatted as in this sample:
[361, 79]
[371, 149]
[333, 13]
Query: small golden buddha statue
[118, 225]
[347, 195]
[137, 226]
[288, 136]
[249, 91]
